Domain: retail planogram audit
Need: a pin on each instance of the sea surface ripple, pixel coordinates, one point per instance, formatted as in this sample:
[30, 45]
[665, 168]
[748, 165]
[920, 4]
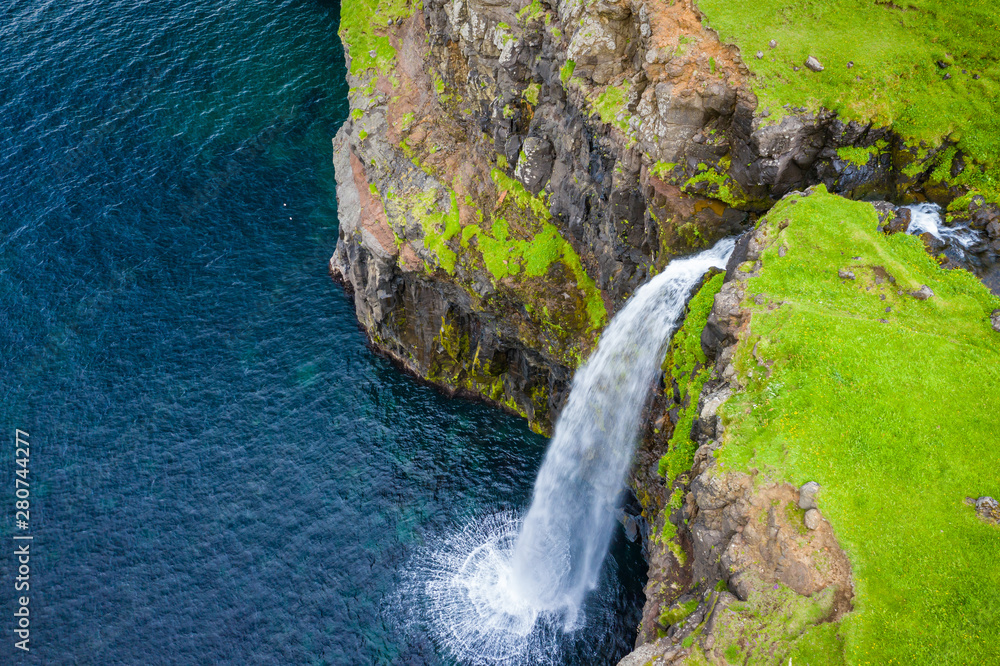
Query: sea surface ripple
[221, 471]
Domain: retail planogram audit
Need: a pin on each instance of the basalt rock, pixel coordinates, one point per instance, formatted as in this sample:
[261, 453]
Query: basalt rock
[987, 508]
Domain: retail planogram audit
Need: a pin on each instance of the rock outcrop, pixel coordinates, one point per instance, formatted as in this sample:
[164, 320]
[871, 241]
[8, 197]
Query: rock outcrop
[510, 174]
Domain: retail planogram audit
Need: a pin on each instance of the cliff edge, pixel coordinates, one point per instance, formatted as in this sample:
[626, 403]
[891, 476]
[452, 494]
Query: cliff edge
[512, 172]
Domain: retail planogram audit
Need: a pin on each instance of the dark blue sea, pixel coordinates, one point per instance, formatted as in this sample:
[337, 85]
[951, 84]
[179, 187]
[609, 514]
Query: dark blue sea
[220, 471]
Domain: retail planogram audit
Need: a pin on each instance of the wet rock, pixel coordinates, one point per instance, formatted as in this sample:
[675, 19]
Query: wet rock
[892, 220]
[923, 293]
[814, 64]
[631, 527]
[812, 519]
[933, 243]
[807, 495]
[845, 274]
[995, 320]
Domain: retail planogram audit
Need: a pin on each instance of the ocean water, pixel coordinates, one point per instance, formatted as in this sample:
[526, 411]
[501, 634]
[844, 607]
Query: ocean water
[220, 470]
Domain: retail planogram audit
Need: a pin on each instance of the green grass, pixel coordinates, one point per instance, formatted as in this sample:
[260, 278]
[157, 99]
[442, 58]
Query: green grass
[898, 422]
[895, 79]
[531, 12]
[678, 613]
[531, 93]
[566, 71]
[611, 102]
[720, 185]
[683, 364]
[439, 226]
[777, 624]
[363, 31]
[663, 169]
[862, 156]
[505, 256]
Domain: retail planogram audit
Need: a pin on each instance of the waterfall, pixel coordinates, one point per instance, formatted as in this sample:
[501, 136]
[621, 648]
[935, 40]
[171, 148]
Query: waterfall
[503, 590]
[566, 532]
[926, 218]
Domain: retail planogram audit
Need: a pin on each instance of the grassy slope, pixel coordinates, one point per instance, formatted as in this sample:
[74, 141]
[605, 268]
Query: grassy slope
[897, 421]
[684, 364]
[895, 78]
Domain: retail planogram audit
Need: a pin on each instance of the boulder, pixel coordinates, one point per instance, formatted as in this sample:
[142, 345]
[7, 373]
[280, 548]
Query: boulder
[807, 495]
[988, 509]
[845, 274]
[923, 293]
[814, 64]
[812, 519]
[535, 164]
[995, 320]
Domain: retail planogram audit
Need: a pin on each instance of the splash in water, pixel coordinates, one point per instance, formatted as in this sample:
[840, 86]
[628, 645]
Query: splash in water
[503, 590]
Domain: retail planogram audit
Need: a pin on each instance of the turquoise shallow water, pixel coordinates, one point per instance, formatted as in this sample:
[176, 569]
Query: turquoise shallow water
[221, 471]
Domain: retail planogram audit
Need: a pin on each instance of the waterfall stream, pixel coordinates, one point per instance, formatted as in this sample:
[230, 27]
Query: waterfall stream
[927, 218]
[504, 589]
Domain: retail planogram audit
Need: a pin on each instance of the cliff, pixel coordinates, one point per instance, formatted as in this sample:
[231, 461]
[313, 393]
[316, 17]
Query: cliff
[512, 172]
[826, 492]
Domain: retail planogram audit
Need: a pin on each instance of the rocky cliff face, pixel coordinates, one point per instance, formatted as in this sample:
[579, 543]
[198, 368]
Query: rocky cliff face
[732, 556]
[512, 172]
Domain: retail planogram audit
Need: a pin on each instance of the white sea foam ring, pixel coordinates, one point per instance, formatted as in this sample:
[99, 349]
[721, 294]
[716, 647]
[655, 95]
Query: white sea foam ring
[474, 610]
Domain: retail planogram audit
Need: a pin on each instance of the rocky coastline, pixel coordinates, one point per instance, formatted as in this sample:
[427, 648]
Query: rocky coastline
[511, 173]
